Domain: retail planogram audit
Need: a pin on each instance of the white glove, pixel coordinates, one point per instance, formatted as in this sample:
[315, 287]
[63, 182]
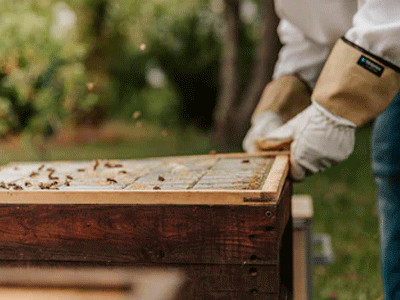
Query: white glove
[321, 140]
[261, 125]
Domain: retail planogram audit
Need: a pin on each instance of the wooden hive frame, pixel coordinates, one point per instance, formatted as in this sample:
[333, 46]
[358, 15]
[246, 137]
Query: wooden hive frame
[269, 192]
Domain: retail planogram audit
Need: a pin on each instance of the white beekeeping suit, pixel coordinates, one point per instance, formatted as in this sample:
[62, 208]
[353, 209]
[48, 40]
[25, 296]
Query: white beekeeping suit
[309, 29]
[340, 56]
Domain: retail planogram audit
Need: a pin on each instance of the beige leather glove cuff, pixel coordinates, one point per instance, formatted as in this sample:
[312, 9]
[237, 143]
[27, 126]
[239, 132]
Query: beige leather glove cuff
[286, 96]
[356, 84]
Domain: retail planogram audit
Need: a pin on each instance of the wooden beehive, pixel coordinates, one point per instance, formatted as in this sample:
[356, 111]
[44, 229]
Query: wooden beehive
[224, 219]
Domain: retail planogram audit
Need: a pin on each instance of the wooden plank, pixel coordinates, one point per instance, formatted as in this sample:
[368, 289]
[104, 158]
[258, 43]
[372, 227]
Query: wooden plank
[246, 295]
[156, 197]
[300, 291]
[302, 207]
[277, 175]
[87, 284]
[140, 233]
[240, 155]
[23, 293]
[302, 212]
[231, 278]
[286, 261]
[284, 207]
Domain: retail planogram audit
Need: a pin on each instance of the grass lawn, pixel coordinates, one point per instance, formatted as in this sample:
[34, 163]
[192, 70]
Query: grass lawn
[345, 207]
[133, 142]
[344, 201]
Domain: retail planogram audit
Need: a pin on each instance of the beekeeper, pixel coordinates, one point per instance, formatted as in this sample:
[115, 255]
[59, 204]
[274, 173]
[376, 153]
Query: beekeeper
[338, 69]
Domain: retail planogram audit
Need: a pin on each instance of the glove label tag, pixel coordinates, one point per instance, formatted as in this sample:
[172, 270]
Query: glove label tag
[371, 66]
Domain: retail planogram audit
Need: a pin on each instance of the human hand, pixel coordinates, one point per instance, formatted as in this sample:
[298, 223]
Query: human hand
[261, 125]
[320, 140]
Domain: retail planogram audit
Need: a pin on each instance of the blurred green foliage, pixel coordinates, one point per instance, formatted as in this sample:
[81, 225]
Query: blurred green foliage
[42, 75]
[82, 61]
[52, 55]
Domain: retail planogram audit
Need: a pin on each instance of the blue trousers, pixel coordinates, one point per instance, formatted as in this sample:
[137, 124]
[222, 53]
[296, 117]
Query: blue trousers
[386, 168]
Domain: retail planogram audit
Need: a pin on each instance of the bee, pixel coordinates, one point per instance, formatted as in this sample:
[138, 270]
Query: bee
[109, 165]
[96, 164]
[44, 186]
[51, 177]
[111, 180]
[33, 174]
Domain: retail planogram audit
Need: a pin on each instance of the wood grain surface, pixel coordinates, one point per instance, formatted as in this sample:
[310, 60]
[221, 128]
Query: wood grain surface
[211, 179]
[157, 234]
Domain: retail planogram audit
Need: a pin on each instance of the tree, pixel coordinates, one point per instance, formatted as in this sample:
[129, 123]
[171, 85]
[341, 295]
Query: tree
[237, 99]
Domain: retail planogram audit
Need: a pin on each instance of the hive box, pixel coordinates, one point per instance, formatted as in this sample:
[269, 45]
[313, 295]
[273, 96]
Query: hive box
[224, 219]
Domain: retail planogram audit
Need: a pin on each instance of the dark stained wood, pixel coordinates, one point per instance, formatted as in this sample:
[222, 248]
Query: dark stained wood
[286, 262]
[284, 208]
[139, 233]
[231, 278]
[245, 295]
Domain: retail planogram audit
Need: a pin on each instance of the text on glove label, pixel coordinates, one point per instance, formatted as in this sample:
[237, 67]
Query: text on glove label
[370, 65]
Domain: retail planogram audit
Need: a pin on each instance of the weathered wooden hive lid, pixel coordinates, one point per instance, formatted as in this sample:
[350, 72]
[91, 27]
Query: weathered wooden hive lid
[205, 179]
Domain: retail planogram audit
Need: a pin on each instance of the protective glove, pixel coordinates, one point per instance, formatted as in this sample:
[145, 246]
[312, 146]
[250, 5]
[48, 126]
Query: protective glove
[354, 87]
[261, 125]
[282, 99]
[320, 140]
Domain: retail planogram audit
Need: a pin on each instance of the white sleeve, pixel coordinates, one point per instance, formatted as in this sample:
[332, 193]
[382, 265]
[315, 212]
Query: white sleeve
[376, 28]
[299, 54]
[308, 31]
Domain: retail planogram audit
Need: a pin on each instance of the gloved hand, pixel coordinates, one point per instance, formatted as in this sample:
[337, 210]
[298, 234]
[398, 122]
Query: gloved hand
[261, 125]
[321, 140]
[282, 99]
[354, 87]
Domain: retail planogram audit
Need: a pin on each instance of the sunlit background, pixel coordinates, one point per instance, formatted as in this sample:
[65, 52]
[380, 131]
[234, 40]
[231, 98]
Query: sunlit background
[87, 79]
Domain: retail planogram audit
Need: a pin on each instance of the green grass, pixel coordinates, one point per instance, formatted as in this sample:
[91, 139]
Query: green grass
[344, 203]
[345, 208]
[178, 142]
